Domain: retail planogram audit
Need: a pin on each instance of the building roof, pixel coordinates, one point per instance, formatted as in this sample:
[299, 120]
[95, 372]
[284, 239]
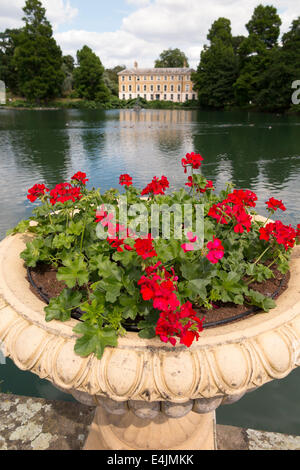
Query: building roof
[156, 71]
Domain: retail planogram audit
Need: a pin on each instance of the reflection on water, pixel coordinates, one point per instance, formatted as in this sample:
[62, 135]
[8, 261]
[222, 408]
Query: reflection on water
[254, 151]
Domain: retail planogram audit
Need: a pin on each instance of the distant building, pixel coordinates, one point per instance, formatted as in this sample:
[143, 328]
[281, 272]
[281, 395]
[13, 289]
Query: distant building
[164, 84]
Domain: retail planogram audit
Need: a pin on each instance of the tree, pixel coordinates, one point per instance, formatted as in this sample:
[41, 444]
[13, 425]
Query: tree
[276, 81]
[265, 25]
[88, 76]
[257, 53]
[37, 58]
[172, 58]
[111, 79]
[218, 68]
[7, 49]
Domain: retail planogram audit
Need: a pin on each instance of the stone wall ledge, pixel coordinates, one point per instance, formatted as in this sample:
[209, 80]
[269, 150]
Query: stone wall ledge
[28, 423]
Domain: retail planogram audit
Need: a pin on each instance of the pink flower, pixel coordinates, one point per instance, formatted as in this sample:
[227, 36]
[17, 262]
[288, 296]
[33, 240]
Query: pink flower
[192, 245]
[216, 251]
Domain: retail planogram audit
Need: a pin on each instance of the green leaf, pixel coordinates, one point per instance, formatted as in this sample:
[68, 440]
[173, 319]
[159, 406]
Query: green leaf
[259, 300]
[63, 241]
[60, 308]
[75, 228]
[94, 339]
[22, 227]
[33, 252]
[74, 272]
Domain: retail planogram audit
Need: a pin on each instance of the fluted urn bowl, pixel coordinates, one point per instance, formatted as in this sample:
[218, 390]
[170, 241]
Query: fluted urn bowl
[149, 395]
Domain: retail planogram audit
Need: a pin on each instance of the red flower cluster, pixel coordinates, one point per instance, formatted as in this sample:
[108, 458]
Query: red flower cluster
[225, 213]
[283, 234]
[36, 191]
[192, 159]
[233, 209]
[242, 198]
[274, 204]
[157, 186]
[175, 320]
[216, 251]
[144, 247]
[125, 180]
[64, 192]
[80, 178]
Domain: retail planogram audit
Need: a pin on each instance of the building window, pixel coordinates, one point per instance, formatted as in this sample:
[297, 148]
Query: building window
[123, 87]
[145, 97]
[129, 88]
[187, 87]
[179, 88]
[186, 97]
[165, 97]
[151, 87]
[145, 87]
[165, 88]
[194, 97]
[178, 97]
[166, 78]
[151, 77]
[123, 97]
[172, 87]
[151, 97]
[138, 87]
[138, 79]
[172, 97]
[130, 96]
[129, 78]
[172, 77]
[145, 78]
[158, 87]
[123, 78]
[158, 77]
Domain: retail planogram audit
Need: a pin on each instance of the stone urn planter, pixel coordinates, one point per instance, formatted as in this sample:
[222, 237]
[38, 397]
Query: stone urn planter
[149, 395]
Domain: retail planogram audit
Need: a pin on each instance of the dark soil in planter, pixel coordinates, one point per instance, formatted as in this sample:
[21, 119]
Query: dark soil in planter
[43, 284]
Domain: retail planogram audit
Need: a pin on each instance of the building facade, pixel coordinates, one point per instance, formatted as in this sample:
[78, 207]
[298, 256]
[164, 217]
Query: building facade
[163, 84]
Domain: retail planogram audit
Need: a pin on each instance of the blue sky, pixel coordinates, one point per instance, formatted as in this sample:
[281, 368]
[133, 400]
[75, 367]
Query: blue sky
[95, 15]
[123, 31]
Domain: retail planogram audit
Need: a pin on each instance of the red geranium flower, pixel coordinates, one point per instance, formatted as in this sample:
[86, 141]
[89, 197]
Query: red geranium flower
[157, 186]
[274, 204]
[125, 180]
[192, 159]
[80, 177]
[283, 234]
[64, 192]
[36, 191]
[216, 251]
[144, 247]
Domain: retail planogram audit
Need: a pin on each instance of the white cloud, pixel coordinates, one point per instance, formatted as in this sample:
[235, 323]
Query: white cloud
[57, 12]
[138, 3]
[159, 24]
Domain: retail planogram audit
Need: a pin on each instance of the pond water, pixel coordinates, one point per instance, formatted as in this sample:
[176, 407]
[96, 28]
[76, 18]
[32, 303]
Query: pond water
[260, 152]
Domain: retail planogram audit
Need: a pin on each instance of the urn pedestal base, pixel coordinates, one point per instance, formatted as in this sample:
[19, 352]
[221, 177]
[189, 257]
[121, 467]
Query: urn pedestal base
[128, 432]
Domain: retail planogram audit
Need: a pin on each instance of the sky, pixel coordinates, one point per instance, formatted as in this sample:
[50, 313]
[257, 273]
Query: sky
[124, 31]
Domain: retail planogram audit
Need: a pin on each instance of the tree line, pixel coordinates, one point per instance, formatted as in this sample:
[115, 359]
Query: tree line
[32, 64]
[234, 71]
[256, 70]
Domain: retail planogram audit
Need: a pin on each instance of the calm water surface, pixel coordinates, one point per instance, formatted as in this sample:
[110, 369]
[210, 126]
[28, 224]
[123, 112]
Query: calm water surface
[254, 151]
